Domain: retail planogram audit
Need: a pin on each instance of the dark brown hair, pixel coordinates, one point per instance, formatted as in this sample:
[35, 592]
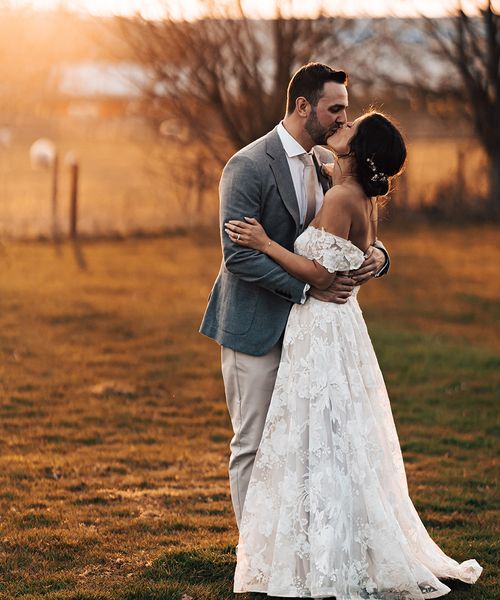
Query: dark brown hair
[309, 82]
[380, 152]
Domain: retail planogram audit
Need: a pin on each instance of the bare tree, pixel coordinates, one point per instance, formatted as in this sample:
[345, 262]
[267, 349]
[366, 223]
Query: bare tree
[475, 53]
[222, 79]
[458, 62]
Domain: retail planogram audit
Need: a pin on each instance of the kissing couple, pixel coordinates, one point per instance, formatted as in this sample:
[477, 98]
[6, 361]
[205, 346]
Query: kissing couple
[316, 472]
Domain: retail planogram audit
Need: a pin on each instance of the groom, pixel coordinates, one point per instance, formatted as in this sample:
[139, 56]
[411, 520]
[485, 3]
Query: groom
[249, 304]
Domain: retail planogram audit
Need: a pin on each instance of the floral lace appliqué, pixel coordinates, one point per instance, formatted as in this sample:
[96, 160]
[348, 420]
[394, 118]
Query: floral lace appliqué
[327, 511]
[331, 251]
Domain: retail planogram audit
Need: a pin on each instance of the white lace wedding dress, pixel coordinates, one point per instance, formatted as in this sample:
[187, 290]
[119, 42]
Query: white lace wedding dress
[327, 511]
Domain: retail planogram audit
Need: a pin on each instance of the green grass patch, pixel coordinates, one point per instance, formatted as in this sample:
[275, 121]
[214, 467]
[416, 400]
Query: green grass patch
[195, 566]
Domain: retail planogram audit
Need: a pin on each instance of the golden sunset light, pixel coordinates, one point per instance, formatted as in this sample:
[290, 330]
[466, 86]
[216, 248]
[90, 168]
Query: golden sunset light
[249, 299]
[263, 8]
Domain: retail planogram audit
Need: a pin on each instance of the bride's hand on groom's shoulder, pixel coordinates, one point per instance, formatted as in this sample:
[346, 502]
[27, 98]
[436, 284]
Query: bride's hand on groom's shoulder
[328, 170]
[374, 261]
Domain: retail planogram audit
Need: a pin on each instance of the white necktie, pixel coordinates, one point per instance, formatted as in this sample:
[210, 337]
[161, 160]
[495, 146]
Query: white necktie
[310, 182]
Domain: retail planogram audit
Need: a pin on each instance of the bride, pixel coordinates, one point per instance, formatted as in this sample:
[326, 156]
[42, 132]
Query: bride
[327, 511]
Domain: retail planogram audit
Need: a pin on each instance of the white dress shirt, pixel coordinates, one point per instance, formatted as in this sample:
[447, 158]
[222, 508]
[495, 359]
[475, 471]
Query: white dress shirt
[293, 149]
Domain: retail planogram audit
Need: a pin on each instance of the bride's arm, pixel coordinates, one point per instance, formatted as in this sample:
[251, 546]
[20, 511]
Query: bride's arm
[252, 235]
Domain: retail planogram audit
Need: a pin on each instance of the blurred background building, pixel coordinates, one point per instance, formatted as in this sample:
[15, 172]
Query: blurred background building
[154, 108]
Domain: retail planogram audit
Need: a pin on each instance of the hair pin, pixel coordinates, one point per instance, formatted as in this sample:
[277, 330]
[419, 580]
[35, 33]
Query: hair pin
[377, 175]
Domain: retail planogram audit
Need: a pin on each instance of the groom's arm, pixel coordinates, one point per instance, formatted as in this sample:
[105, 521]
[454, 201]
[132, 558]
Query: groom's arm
[240, 196]
[385, 267]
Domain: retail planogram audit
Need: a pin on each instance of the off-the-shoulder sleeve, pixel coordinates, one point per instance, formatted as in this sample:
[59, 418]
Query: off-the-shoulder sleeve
[333, 252]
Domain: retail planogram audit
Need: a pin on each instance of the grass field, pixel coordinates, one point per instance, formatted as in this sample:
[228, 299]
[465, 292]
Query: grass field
[114, 432]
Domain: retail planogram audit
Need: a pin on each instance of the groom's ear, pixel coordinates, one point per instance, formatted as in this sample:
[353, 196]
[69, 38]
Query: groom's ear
[302, 106]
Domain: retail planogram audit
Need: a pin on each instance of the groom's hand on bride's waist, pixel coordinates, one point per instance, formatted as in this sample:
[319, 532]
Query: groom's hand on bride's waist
[338, 292]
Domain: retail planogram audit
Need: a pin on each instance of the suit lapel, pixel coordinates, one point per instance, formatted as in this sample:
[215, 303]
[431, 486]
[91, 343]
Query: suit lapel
[282, 175]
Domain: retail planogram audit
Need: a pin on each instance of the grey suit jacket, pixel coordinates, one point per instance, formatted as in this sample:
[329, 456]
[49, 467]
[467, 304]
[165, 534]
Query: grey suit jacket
[249, 303]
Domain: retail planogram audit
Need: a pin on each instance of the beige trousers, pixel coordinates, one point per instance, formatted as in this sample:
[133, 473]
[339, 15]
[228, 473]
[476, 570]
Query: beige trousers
[249, 383]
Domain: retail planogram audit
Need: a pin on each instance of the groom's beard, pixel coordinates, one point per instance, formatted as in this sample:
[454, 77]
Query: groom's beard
[317, 132]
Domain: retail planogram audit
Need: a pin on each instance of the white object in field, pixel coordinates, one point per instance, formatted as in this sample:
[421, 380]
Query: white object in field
[42, 154]
[5, 137]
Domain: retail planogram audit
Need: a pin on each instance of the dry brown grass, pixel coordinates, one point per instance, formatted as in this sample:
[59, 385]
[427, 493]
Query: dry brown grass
[114, 433]
[445, 280]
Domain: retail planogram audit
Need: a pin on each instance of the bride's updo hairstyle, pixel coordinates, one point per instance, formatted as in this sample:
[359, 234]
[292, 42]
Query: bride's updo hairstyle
[380, 153]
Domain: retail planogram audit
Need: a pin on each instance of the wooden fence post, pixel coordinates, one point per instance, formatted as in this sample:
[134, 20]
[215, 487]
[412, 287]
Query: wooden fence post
[460, 178]
[54, 195]
[73, 207]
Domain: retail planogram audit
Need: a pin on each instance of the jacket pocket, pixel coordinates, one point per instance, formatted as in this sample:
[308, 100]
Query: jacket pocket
[238, 305]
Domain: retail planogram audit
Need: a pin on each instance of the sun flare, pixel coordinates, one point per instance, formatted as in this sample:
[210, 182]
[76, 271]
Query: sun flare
[262, 8]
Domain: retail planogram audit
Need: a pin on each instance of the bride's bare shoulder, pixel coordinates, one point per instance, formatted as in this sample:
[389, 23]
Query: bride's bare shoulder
[338, 191]
[340, 197]
[336, 215]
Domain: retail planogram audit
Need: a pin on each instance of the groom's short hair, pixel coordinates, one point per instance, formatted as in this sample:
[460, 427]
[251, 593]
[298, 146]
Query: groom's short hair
[309, 82]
